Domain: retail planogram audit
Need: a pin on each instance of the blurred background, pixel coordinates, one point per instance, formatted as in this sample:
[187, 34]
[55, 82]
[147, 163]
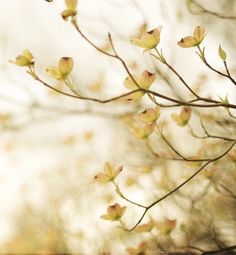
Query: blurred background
[51, 146]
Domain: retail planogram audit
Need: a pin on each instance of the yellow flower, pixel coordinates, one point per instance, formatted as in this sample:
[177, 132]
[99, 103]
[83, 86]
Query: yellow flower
[149, 115]
[146, 227]
[71, 11]
[142, 248]
[109, 173]
[64, 68]
[166, 226]
[195, 40]
[183, 117]
[114, 212]
[143, 131]
[25, 59]
[71, 4]
[144, 82]
[148, 39]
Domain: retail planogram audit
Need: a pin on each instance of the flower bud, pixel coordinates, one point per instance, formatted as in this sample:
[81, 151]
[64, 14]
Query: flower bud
[147, 79]
[71, 4]
[222, 53]
[70, 10]
[195, 40]
[114, 212]
[149, 39]
[25, 59]
[64, 68]
[143, 132]
[65, 65]
[149, 115]
[183, 117]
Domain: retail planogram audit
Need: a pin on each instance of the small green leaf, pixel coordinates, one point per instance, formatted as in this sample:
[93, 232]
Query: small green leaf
[222, 53]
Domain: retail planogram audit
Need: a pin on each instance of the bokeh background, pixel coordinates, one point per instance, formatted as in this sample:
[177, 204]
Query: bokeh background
[52, 146]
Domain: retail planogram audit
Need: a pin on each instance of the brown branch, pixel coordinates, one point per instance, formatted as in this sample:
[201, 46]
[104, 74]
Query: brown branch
[116, 56]
[207, 134]
[204, 60]
[174, 71]
[103, 101]
[125, 198]
[89, 41]
[221, 250]
[173, 159]
[198, 98]
[182, 157]
[180, 186]
[204, 10]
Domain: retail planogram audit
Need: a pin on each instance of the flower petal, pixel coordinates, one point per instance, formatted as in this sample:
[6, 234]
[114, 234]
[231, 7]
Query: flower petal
[149, 115]
[151, 38]
[188, 42]
[199, 33]
[28, 54]
[71, 4]
[130, 84]
[103, 178]
[55, 73]
[65, 65]
[147, 79]
[138, 42]
[68, 13]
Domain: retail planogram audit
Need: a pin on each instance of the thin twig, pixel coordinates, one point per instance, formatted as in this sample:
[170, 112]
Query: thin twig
[180, 186]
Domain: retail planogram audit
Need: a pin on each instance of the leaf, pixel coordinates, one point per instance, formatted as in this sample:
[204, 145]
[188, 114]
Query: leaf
[222, 53]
